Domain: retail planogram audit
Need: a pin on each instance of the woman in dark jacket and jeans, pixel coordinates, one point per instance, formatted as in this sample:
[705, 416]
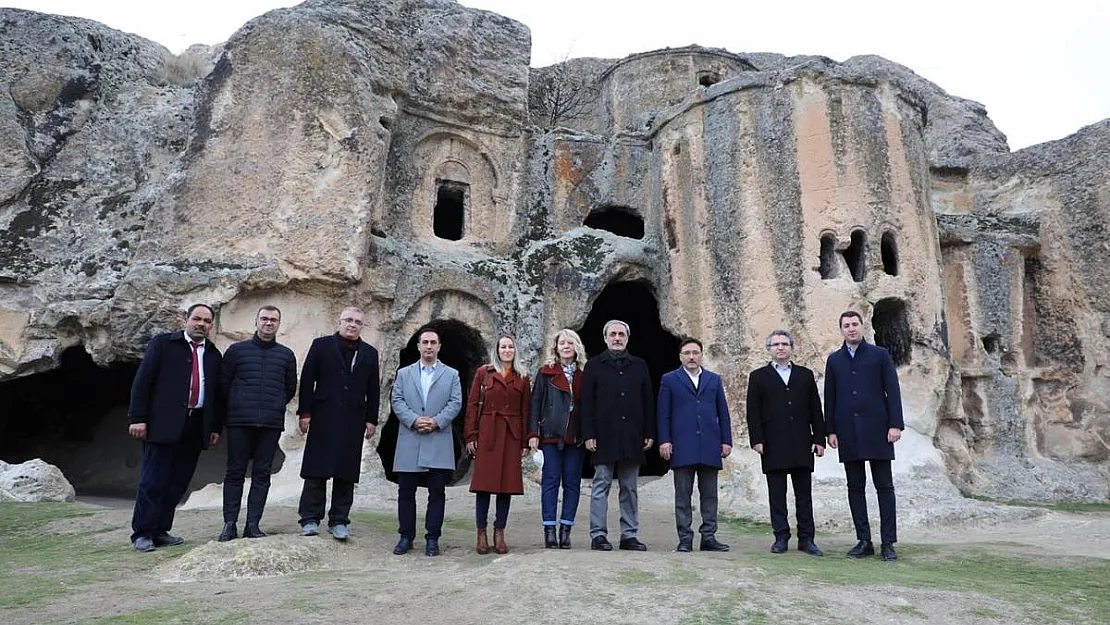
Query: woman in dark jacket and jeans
[554, 427]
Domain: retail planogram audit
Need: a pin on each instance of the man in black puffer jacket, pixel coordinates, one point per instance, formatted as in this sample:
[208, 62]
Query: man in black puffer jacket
[260, 377]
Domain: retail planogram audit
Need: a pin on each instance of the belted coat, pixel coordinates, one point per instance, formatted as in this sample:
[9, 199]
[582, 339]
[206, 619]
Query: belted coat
[499, 430]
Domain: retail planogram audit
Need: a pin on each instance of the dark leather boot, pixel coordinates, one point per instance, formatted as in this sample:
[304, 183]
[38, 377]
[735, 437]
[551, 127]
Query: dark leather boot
[564, 536]
[252, 531]
[229, 533]
[549, 539]
[499, 541]
[483, 542]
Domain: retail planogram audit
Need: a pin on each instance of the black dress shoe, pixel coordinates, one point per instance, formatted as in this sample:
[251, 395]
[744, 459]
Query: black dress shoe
[888, 552]
[862, 549]
[230, 533]
[780, 545]
[143, 544]
[564, 536]
[810, 547]
[711, 543]
[431, 547]
[633, 544]
[165, 540]
[601, 543]
[685, 546]
[252, 531]
[549, 539]
[403, 546]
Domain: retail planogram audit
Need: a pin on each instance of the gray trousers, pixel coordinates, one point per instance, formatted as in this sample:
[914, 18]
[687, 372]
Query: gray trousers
[627, 474]
[707, 492]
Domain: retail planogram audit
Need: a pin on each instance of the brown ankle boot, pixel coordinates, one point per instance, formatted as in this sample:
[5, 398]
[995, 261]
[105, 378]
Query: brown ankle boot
[483, 542]
[499, 541]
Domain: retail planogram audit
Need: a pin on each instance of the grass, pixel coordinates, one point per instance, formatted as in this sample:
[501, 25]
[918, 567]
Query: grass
[174, 614]
[744, 527]
[1073, 507]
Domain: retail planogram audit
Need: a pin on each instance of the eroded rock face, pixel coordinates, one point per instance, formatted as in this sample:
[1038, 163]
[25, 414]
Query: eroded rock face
[33, 481]
[402, 156]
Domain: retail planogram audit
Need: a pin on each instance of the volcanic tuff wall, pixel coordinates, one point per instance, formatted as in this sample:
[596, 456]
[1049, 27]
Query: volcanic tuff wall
[305, 168]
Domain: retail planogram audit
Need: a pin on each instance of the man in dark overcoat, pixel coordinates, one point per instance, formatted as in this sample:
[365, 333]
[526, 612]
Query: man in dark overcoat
[618, 426]
[695, 434]
[338, 408]
[176, 409]
[863, 407]
[787, 430]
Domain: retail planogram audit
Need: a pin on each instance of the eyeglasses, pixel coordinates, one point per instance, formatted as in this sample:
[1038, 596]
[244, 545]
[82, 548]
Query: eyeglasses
[357, 322]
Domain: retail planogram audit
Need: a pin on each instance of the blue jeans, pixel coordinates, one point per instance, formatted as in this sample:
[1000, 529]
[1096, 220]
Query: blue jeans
[561, 467]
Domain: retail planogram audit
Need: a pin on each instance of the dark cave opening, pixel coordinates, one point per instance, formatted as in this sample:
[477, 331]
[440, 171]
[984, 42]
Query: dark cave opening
[75, 417]
[827, 268]
[462, 348]
[619, 220]
[634, 304]
[889, 251]
[448, 217]
[856, 255]
[892, 329]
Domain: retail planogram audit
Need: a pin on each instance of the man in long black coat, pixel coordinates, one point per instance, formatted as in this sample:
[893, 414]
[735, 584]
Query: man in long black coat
[863, 406]
[618, 426]
[787, 430]
[176, 409]
[338, 408]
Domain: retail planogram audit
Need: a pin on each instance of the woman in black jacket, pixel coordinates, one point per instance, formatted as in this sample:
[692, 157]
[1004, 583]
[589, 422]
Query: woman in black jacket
[554, 427]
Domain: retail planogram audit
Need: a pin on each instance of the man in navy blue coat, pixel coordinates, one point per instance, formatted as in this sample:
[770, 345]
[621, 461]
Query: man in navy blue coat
[695, 433]
[863, 411]
[176, 410]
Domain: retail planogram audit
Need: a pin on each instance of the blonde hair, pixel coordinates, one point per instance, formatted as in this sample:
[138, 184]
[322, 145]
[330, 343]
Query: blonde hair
[579, 349]
[495, 357]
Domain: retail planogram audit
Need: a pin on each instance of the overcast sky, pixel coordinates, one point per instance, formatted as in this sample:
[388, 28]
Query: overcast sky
[1040, 68]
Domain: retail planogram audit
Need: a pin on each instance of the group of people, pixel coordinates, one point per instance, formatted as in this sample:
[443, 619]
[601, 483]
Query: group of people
[185, 393]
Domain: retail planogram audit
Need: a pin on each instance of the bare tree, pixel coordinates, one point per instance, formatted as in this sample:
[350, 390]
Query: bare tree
[560, 92]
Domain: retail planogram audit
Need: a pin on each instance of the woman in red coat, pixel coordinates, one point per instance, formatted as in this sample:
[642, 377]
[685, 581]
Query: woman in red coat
[496, 424]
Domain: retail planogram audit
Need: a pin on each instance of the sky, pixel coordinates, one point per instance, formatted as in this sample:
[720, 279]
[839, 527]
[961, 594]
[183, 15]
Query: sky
[1040, 68]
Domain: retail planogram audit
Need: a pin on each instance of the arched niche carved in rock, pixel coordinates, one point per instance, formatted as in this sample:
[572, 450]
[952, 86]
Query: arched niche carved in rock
[456, 196]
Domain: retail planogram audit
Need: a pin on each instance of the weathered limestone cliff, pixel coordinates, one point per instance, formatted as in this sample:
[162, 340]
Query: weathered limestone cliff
[401, 155]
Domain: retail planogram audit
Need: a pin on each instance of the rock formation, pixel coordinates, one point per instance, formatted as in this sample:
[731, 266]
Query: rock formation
[33, 481]
[402, 156]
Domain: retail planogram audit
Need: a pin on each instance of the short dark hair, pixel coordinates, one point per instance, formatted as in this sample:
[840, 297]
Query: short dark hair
[268, 307]
[849, 313]
[686, 341]
[189, 313]
[424, 329]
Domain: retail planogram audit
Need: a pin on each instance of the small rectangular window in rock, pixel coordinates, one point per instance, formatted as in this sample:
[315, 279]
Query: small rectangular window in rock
[890, 254]
[449, 216]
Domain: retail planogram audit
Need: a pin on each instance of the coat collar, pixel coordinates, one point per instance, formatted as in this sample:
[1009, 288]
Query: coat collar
[337, 351]
[862, 347]
[559, 379]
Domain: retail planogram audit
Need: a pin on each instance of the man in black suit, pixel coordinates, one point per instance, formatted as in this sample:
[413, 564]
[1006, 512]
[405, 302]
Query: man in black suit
[176, 410]
[787, 430]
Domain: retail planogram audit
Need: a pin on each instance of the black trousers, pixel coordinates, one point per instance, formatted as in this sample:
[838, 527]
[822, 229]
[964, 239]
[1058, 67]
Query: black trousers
[406, 502]
[256, 445]
[501, 512]
[314, 495]
[164, 477]
[857, 500]
[803, 503]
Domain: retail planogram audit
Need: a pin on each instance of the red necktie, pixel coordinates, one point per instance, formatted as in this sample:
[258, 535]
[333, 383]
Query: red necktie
[194, 382]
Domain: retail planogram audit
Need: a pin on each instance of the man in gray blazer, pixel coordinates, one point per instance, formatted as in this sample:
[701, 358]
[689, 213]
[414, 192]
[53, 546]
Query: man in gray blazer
[426, 397]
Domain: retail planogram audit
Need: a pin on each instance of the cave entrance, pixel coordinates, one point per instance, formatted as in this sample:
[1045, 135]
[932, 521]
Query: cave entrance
[462, 348]
[449, 214]
[75, 417]
[892, 329]
[634, 304]
[620, 220]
